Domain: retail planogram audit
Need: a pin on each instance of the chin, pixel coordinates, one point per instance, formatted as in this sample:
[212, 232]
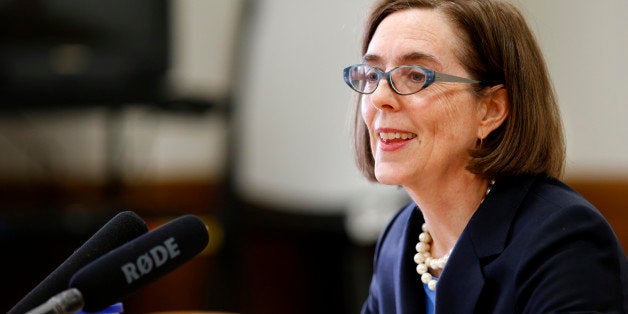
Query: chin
[388, 177]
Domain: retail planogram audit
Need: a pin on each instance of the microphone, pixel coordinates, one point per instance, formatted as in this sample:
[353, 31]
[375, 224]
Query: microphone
[122, 228]
[66, 302]
[116, 275]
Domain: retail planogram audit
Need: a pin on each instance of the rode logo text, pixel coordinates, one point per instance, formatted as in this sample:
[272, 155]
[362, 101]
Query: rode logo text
[154, 258]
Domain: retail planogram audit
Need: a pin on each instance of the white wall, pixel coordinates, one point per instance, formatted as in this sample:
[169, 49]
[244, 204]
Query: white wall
[295, 144]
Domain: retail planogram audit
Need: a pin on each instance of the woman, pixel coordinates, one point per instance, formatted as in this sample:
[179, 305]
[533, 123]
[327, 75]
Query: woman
[456, 106]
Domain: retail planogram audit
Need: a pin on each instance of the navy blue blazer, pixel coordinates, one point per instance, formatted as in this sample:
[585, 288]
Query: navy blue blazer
[533, 246]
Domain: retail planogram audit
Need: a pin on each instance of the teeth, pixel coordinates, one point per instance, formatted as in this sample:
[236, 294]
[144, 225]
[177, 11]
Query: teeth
[393, 135]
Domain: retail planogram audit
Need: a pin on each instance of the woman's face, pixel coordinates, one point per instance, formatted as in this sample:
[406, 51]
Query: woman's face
[425, 136]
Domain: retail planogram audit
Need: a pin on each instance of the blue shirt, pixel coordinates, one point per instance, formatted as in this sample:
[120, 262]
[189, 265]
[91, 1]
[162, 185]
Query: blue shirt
[430, 299]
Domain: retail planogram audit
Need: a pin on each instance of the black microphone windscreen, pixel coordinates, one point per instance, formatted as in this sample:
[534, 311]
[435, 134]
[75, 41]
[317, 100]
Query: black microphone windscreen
[118, 274]
[120, 229]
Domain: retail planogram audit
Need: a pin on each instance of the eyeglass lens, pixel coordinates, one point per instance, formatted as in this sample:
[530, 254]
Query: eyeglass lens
[405, 79]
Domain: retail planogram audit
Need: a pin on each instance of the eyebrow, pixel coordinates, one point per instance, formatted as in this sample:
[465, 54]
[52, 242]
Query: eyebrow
[404, 59]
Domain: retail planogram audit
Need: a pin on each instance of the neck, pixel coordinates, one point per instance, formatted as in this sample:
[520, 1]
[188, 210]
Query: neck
[447, 207]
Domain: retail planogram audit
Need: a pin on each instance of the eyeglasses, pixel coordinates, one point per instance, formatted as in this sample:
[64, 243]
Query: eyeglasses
[404, 79]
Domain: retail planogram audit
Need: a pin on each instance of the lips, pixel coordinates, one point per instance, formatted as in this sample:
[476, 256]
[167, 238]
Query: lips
[389, 137]
[392, 139]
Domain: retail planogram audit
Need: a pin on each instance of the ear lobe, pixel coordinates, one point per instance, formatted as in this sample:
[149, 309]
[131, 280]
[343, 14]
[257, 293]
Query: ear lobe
[496, 108]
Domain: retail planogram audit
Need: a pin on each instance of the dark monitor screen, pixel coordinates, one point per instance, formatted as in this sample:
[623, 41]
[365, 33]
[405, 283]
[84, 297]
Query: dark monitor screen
[82, 52]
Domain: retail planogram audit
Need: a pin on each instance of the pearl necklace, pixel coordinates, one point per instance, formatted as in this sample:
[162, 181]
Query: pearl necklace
[423, 258]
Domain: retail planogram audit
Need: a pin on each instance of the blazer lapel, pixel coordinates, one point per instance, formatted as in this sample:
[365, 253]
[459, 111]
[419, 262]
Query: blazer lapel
[411, 294]
[461, 282]
[462, 279]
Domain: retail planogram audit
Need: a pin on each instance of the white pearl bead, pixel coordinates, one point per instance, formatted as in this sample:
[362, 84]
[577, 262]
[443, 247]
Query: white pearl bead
[428, 261]
[424, 227]
[434, 263]
[419, 258]
[425, 237]
[441, 264]
[422, 247]
[421, 269]
[432, 285]
[425, 278]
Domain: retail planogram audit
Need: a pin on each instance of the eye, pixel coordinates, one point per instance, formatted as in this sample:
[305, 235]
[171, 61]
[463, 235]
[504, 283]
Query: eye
[371, 76]
[416, 76]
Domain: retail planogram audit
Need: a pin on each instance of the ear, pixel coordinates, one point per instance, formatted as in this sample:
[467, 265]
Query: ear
[494, 110]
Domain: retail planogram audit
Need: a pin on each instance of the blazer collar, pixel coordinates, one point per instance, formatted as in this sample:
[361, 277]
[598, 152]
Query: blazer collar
[461, 282]
[489, 226]
[462, 279]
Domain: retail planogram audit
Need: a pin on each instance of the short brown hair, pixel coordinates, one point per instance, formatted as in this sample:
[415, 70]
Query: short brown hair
[498, 47]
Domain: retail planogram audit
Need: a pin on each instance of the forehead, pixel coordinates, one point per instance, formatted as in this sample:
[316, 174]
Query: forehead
[424, 36]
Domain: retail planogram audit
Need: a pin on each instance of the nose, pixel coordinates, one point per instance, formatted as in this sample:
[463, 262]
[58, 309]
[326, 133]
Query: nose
[385, 98]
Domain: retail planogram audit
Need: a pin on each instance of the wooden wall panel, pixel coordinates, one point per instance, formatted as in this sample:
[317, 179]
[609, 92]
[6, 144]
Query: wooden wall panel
[275, 255]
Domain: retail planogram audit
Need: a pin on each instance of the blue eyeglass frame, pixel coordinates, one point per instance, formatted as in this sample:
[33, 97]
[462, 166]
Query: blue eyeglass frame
[431, 77]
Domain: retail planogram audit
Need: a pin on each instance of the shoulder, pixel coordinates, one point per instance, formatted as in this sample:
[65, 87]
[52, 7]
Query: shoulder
[554, 217]
[557, 194]
[571, 257]
[395, 227]
[391, 263]
[552, 208]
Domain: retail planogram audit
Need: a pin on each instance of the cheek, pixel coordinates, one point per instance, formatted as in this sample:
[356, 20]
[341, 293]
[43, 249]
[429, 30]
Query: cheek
[458, 117]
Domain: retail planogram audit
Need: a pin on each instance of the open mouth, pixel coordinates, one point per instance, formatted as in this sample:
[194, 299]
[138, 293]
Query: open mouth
[393, 137]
